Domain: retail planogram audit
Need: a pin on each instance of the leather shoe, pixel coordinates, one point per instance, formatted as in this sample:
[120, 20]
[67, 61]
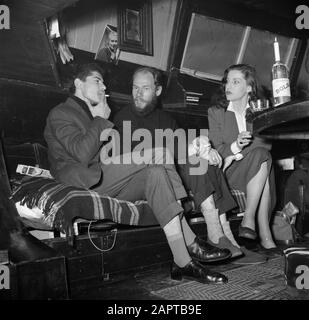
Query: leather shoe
[202, 251]
[271, 252]
[225, 243]
[246, 232]
[197, 272]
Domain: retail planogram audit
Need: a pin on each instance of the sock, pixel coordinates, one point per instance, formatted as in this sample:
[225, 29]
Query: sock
[222, 218]
[174, 235]
[188, 234]
[214, 229]
[228, 232]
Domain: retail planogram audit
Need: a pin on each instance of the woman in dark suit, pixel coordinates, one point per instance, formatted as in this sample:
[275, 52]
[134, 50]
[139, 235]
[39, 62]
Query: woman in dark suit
[247, 161]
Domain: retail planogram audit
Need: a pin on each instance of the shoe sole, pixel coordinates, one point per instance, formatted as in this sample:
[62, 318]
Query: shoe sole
[204, 281]
[247, 236]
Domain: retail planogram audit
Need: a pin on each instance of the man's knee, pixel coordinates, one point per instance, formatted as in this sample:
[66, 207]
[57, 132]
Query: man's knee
[163, 156]
[215, 170]
[156, 171]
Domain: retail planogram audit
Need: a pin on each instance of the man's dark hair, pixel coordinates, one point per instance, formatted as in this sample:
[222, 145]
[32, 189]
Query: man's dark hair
[82, 71]
[157, 75]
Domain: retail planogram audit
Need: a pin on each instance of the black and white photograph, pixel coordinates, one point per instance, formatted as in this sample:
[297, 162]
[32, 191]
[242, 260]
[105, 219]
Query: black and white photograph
[135, 21]
[108, 50]
[154, 157]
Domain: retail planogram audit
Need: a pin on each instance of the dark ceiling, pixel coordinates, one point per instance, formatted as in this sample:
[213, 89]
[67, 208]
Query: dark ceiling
[25, 50]
[283, 8]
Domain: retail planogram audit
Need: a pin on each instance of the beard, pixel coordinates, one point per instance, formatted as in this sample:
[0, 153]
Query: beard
[150, 106]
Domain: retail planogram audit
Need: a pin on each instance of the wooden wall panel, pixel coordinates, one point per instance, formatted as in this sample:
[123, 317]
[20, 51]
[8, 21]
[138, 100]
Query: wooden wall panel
[24, 108]
[163, 21]
[86, 29]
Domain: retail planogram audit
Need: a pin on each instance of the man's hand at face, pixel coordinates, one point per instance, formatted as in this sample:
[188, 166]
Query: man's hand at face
[101, 109]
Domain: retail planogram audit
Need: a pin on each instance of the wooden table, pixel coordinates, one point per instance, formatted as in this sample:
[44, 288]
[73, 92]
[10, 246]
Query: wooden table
[288, 121]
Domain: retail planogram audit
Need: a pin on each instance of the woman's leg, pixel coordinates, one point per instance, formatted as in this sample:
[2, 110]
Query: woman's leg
[255, 188]
[263, 218]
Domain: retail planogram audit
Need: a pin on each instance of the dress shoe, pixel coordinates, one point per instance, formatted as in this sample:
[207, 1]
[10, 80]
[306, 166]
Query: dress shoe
[246, 232]
[202, 251]
[225, 243]
[197, 272]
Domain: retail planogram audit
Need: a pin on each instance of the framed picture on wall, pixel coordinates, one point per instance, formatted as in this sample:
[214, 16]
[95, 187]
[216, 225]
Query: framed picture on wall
[135, 29]
[108, 50]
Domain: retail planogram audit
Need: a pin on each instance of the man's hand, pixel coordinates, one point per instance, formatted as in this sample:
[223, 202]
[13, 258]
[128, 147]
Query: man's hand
[101, 109]
[202, 146]
[214, 158]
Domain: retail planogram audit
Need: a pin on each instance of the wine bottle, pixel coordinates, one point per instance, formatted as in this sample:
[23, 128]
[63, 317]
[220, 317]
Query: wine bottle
[280, 79]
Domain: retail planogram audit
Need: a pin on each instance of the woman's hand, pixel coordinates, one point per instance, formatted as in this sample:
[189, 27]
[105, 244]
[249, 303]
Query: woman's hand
[229, 160]
[243, 139]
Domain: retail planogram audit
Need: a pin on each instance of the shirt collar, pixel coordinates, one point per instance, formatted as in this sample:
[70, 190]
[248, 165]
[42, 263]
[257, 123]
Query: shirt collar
[230, 107]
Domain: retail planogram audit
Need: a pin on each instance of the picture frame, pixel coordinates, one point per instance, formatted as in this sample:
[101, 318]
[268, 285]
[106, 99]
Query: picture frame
[108, 50]
[135, 27]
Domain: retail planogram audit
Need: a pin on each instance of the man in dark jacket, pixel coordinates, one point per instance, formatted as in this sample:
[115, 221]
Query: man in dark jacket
[209, 189]
[73, 134]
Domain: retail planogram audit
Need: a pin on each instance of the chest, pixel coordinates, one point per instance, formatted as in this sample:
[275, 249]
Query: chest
[231, 127]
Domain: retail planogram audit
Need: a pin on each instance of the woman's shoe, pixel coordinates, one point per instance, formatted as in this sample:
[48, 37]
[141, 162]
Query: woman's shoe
[202, 251]
[271, 252]
[225, 243]
[246, 232]
[197, 272]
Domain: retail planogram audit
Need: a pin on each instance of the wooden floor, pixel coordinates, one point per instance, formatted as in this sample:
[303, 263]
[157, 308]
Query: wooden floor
[144, 284]
[136, 266]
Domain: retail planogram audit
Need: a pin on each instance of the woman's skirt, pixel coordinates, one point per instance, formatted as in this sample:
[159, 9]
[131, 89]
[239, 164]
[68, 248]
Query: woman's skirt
[239, 173]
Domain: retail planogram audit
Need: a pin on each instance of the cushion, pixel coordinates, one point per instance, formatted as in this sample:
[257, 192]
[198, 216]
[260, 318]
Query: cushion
[32, 217]
[61, 204]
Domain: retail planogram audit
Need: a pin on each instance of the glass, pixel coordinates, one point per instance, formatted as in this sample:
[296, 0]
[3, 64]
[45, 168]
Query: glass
[260, 104]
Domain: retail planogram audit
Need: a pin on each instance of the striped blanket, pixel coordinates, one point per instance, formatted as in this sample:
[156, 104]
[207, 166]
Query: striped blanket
[61, 204]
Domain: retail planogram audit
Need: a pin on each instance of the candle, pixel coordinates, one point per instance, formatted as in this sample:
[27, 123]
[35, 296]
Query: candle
[277, 52]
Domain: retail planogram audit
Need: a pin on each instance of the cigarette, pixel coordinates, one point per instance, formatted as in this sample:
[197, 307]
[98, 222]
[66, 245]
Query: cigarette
[107, 95]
